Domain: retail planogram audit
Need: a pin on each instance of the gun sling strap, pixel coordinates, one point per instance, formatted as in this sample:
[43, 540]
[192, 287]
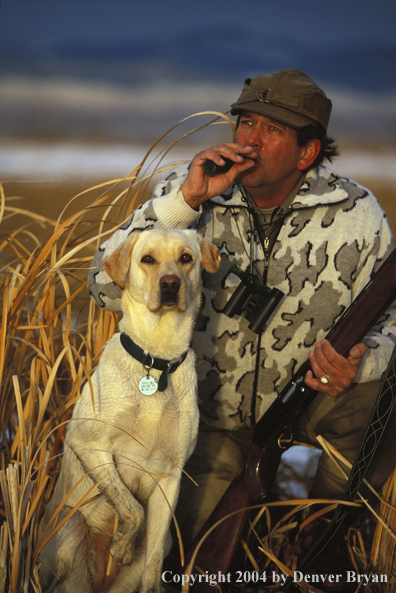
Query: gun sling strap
[375, 430]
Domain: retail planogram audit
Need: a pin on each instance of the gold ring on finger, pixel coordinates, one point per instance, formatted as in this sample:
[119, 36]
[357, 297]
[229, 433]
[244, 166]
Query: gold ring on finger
[325, 379]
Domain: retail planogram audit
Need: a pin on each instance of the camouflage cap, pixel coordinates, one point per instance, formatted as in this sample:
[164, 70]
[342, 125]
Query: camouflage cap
[288, 96]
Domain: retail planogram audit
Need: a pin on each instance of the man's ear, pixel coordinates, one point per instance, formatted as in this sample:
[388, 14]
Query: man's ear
[117, 264]
[210, 256]
[309, 154]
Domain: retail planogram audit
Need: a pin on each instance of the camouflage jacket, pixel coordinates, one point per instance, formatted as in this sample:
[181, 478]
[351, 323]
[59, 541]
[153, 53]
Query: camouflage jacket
[333, 236]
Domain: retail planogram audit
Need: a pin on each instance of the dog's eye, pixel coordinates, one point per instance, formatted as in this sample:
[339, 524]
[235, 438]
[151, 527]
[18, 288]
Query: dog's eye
[186, 258]
[147, 259]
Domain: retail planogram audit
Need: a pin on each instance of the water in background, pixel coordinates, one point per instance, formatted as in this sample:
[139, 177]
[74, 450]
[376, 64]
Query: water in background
[63, 129]
[85, 92]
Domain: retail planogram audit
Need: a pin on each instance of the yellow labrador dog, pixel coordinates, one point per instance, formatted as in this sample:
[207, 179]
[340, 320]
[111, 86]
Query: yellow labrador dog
[134, 443]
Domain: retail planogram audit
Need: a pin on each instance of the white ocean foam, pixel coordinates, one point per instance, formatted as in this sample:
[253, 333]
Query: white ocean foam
[104, 97]
[163, 95]
[71, 160]
[76, 108]
[366, 164]
[77, 111]
[38, 161]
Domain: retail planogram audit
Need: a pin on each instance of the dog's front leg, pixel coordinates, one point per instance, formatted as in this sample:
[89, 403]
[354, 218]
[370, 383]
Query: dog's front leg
[100, 467]
[159, 516]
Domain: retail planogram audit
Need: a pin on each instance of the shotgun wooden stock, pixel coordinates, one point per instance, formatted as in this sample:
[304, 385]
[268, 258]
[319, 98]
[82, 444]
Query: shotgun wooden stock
[251, 487]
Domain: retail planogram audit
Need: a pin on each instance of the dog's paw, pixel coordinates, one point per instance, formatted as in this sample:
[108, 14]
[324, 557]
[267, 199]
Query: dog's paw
[122, 543]
[122, 548]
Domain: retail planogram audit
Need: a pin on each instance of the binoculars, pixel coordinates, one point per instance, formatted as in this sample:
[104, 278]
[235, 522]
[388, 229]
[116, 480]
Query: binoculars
[254, 298]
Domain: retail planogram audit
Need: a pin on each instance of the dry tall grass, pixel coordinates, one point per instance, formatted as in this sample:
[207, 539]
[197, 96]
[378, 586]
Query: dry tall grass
[51, 339]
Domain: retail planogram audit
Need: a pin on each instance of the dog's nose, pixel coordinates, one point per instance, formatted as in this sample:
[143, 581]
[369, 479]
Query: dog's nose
[170, 283]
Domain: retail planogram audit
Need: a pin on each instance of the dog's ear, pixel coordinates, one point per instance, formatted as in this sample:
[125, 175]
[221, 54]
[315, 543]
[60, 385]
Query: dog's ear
[117, 264]
[210, 256]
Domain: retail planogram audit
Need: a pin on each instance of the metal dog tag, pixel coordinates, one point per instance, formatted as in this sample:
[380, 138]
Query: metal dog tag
[148, 385]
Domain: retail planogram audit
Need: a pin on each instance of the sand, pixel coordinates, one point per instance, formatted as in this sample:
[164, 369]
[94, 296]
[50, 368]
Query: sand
[49, 199]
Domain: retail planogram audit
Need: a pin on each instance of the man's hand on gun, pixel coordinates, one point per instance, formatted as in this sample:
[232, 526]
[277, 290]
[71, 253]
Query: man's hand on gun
[198, 187]
[332, 373]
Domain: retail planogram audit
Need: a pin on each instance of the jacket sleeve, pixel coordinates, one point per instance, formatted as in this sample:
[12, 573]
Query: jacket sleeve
[382, 338]
[165, 209]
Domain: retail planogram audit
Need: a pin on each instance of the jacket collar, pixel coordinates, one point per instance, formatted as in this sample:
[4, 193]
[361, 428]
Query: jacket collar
[320, 187]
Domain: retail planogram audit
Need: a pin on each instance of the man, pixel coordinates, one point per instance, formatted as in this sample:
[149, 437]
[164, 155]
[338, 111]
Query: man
[301, 229]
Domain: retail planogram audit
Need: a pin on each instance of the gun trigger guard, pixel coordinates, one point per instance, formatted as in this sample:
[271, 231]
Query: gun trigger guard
[289, 440]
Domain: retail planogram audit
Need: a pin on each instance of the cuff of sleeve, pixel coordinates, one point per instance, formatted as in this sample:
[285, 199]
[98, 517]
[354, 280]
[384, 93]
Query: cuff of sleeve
[369, 369]
[375, 361]
[173, 211]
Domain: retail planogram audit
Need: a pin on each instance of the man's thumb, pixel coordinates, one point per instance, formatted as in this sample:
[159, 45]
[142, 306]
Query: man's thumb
[358, 351]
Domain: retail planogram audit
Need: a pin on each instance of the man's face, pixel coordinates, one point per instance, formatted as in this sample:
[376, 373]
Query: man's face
[279, 157]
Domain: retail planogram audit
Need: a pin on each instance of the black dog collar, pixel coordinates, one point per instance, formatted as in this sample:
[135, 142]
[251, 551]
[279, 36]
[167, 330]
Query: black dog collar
[166, 366]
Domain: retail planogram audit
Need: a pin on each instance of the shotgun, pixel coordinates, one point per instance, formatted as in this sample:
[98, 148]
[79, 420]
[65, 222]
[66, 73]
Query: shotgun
[273, 433]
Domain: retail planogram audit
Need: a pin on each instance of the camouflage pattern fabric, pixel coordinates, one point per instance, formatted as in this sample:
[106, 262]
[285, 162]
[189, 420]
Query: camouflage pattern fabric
[334, 235]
